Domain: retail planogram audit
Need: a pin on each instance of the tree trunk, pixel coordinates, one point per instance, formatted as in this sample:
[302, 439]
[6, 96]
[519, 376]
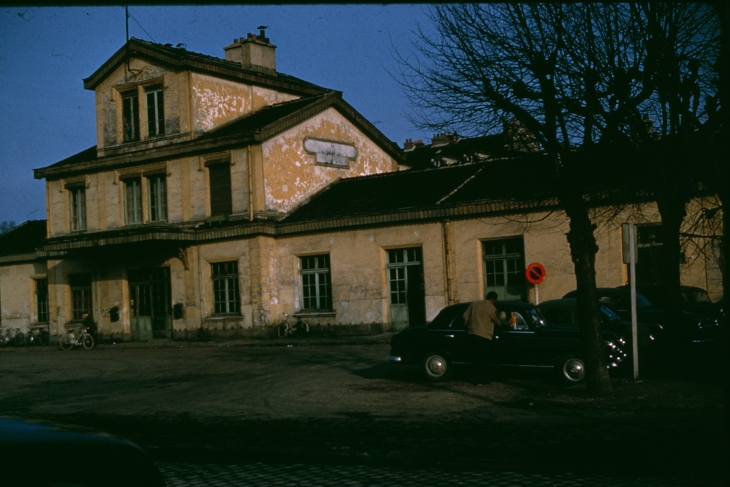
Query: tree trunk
[583, 250]
[672, 209]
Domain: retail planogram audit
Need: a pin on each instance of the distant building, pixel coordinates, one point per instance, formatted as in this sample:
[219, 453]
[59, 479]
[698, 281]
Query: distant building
[223, 195]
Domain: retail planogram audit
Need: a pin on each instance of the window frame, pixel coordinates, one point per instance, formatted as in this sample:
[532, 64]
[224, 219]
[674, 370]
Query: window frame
[41, 300]
[81, 294]
[137, 198]
[512, 265]
[77, 208]
[157, 198]
[155, 111]
[315, 283]
[130, 117]
[225, 282]
[220, 200]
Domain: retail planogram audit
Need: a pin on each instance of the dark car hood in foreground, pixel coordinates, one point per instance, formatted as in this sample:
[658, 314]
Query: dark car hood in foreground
[44, 453]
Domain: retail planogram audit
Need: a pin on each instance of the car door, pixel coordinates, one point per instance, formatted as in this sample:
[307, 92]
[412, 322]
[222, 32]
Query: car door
[447, 333]
[518, 344]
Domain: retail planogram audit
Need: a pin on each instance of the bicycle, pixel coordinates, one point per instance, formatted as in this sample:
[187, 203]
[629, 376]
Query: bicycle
[300, 328]
[12, 336]
[76, 336]
[38, 335]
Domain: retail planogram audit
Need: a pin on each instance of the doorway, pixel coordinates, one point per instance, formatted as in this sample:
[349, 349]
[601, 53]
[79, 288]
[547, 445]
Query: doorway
[406, 288]
[149, 303]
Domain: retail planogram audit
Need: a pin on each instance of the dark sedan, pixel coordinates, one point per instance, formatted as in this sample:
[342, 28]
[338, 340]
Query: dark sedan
[530, 341]
[564, 313]
[694, 328]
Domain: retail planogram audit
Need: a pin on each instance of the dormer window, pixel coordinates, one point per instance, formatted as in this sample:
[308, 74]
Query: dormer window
[130, 116]
[155, 112]
[77, 205]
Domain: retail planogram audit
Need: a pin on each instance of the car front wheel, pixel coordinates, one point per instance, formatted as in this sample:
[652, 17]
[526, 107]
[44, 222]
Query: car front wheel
[436, 367]
[571, 369]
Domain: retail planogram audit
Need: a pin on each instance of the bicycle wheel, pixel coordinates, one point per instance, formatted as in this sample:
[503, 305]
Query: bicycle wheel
[88, 342]
[31, 339]
[302, 329]
[44, 338]
[19, 339]
[66, 342]
[282, 331]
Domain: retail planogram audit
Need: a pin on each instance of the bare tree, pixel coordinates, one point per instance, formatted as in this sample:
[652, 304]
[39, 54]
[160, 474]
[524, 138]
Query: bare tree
[576, 76]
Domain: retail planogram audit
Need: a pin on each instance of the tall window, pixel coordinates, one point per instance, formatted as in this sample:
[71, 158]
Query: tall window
[41, 300]
[316, 284]
[80, 295]
[78, 208]
[221, 202]
[155, 112]
[226, 298]
[158, 198]
[504, 268]
[649, 251]
[130, 116]
[133, 201]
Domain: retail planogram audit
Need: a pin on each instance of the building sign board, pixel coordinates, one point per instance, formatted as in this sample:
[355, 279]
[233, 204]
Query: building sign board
[330, 153]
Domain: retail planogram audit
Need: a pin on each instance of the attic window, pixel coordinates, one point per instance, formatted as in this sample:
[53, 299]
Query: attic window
[155, 112]
[130, 116]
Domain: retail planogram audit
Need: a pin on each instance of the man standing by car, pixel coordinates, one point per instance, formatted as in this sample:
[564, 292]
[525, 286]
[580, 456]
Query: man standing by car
[481, 318]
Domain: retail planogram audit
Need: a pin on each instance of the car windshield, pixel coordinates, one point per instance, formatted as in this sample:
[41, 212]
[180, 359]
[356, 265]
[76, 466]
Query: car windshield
[696, 297]
[609, 314]
[641, 302]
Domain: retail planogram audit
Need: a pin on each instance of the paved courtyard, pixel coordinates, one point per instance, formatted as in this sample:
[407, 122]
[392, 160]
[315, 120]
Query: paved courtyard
[339, 414]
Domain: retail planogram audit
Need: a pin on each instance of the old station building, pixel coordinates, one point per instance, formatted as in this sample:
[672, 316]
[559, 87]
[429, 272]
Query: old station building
[222, 196]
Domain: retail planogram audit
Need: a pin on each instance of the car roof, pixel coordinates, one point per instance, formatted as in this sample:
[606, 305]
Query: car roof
[559, 303]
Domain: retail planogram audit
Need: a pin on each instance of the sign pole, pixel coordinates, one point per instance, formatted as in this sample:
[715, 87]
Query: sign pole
[535, 274]
[630, 246]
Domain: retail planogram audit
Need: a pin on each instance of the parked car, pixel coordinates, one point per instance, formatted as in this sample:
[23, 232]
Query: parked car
[693, 299]
[695, 328]
[564, 313]
[44, 454]
[441, 346]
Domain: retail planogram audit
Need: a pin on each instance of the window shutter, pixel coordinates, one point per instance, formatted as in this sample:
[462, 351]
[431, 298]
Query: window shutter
[220, 189]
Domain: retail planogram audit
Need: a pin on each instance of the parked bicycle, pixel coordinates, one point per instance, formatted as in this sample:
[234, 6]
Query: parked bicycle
[300, 328]
[37, 335]
[11, 336]
[77, 336]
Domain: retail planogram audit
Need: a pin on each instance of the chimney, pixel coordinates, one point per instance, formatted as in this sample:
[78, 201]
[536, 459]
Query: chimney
[253, 52]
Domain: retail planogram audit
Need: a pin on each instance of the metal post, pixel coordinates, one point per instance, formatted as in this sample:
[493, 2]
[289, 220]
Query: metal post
[634, 326]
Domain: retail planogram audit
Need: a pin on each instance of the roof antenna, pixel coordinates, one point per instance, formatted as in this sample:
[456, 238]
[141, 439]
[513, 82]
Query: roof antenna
[126, 20]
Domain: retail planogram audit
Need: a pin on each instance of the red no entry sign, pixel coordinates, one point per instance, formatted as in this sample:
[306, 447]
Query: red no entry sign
[535, 273]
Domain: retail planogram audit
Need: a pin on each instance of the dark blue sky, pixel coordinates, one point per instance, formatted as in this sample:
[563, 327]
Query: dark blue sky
[45, 52]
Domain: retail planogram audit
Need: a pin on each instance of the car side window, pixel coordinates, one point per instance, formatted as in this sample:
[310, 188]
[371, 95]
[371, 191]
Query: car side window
[517, 322]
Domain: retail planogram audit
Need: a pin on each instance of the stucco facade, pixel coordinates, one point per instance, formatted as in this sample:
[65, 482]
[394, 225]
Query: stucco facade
[259, 196]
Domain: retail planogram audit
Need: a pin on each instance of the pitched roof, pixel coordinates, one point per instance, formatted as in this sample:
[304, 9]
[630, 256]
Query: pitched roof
[24, 238]
[491, 181]
[254, 128]
[181, 58]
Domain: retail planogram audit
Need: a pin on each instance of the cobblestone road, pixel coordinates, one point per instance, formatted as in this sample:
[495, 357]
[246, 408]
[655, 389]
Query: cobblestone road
[269, 475]
[341, 415]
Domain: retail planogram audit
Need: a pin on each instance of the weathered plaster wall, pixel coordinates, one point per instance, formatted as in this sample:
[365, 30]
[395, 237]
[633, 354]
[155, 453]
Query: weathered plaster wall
[140, 74]
[209, 254]
[358, 275]
[291, 174]
[17, 294]
[216, 101]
